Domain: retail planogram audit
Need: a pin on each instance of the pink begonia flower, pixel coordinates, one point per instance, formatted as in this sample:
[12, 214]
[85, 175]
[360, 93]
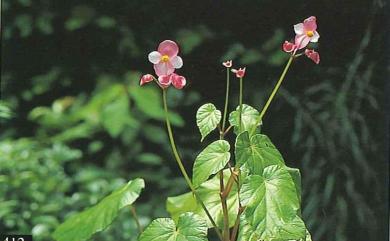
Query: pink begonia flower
[313, 55]
[228, 63]
[165, 59]
[306, 32]
[146, 79]
[178, 81]
[165, 81]
[289, 47]
[240, 73]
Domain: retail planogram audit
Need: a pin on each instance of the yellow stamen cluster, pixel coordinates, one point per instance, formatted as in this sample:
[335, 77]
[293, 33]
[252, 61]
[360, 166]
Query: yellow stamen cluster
[165, 58]
[310, 33]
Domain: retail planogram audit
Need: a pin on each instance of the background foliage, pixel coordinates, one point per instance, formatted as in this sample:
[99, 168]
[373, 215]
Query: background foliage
[74, 124]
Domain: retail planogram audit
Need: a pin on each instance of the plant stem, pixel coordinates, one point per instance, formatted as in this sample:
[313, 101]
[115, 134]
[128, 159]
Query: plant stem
[240, 102]
[226, 230]
[134, 213]
[274, 91]
[237, 224]
[226, 98]
[181, 166]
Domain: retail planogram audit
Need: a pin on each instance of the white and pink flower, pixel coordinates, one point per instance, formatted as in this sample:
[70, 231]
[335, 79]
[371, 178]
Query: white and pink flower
[240, 73]
[289, 47]
[306, 32]
[228, 63]
[313, 55]
[146, 79]
[176, 80]
[165, 59]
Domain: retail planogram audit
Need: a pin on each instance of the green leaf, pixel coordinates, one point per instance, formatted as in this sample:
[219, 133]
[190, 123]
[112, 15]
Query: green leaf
[256, 152]
[116, 115]
[308, 236]
[92, 220]
[249, 118]
[209, 192]
[190, 227]
[272, 205]
[149, 101]
[211, 160]
[207, 119]
[296, 176]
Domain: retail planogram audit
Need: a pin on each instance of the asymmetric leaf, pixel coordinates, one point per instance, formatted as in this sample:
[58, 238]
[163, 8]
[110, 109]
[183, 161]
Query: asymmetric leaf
[211, 160]
[249, 118]
[272, 205]
[190, 227]
[256, 152]
[92, 220]
[207, 119]
[209, 192]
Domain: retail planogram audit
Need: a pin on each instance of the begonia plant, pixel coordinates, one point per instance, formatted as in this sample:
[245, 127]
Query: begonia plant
[238, 191]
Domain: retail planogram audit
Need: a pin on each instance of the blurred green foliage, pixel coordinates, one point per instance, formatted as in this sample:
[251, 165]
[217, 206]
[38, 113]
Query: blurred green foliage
[75, 125]
[32, 175]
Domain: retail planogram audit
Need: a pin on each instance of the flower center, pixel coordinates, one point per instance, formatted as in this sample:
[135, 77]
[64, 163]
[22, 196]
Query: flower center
[165, 58]
[310, 33]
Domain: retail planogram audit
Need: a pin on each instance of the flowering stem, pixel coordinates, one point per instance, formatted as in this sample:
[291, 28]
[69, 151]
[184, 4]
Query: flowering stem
[274, 91]
[240, 102]
[226, 230]
[181, 166]
[134, 213]
[226, 98]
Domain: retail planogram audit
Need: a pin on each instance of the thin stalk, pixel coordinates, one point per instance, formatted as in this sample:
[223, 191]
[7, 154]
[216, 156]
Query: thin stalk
[181, 166]
[274, 91]
[134, 213]
[226, 230]
[237, 224]
[240, 102]
[226, 98]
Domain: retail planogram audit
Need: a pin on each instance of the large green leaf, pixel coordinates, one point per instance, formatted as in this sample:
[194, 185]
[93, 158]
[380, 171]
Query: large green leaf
[249, 118]
[190, 227]
[92, 220]
[209, 192]
[207, 119]
[211, 160]
[296, 176]
[246, 233]
[256, 152]
[272, 206]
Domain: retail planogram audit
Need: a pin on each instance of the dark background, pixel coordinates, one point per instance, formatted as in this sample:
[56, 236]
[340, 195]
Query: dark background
[75, 125]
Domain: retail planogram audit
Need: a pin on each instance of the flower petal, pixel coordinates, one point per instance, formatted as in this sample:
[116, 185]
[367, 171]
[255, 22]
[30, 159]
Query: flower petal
[241, 72]
[178, 81]
[288, 47]
[310, 24]
[163, 68]
[315, 37]
[177, 62]
[301, 41]
[313, 55]
[168, 47]
[228, 63]
[146, 79]
[164, 80]
[154, 57]
[298, 28]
